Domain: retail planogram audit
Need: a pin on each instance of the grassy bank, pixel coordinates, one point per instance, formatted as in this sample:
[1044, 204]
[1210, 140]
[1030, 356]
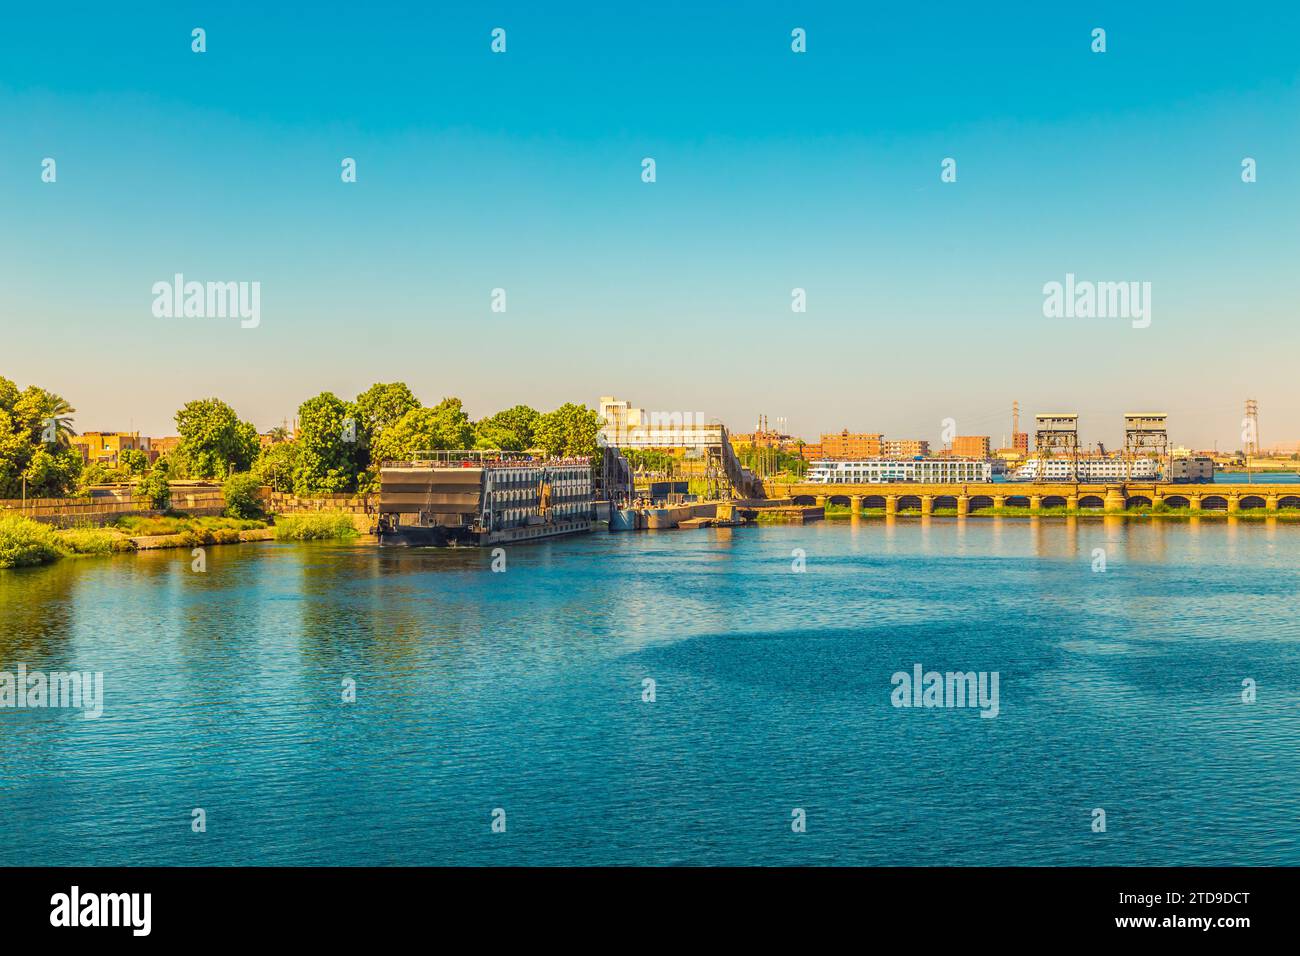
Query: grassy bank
[204, 530]
[317, 526]
[25, 542]
[95, 541]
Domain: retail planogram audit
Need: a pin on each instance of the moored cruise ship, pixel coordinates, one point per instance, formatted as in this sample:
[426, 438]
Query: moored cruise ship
[878, 471]
[482, 497]
[1087, 469]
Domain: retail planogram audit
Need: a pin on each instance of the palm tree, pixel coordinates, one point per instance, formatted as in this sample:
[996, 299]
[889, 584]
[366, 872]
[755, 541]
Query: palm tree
[57, 421]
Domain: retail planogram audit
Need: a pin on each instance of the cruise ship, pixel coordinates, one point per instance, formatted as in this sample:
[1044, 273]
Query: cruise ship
[445, 498]
[1087, 469]
[879, 471]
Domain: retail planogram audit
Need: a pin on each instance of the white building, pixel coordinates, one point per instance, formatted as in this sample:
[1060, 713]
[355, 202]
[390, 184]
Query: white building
[629, 427]
[878, 471]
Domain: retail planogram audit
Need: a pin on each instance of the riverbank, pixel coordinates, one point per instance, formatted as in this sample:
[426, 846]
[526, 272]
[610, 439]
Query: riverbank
[26, 543]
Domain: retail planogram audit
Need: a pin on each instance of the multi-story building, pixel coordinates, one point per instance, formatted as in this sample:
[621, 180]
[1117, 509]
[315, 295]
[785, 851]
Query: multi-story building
[1020, 442]
[106, 448]
[765, 439]
[971, 446]
[904, 448]
[1192, 469]
[628, 427]
[851, 445]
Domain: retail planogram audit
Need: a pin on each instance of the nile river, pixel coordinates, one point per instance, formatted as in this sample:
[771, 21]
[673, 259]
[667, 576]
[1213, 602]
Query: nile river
[523, 691]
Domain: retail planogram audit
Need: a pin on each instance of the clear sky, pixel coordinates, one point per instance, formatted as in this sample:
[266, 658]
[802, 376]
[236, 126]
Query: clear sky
[775, 170]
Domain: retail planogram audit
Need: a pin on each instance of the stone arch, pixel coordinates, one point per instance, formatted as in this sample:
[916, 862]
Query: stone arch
[1289, 501]
[1092, 501]
[909, 503]
[805, 500]
[978, 502]
[1250, 501]
[1214, 503]
[1016, 501]
[1137, 501]
[945, 503]
[839, 500]
[874, 502]
[1054, 501]
[1178, 501]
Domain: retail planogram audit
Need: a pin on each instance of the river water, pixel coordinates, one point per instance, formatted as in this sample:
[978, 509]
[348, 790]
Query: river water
[524, 692]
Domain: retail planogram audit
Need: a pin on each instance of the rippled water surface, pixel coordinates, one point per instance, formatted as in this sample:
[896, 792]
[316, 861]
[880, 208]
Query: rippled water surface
[1119, 690]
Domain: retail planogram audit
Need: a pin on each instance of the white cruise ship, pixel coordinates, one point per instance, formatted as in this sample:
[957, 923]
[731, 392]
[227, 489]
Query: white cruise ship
[1087, 469]
[878, 471]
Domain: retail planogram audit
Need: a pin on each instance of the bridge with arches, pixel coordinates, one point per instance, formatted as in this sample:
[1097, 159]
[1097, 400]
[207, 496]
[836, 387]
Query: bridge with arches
[901, 497]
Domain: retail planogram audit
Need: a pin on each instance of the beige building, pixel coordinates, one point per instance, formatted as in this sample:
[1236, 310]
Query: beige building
[106, 448]
[904, 448]
[971, 446]
[851, 446]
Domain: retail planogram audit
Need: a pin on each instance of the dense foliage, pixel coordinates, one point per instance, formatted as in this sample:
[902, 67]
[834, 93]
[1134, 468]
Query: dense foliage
[214, 442]
[243, 499]
[25, 542]
[35, 428]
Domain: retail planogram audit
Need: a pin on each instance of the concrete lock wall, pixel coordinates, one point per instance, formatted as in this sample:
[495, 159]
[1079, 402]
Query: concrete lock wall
[79, 512]
[198, 501]
[278, 503]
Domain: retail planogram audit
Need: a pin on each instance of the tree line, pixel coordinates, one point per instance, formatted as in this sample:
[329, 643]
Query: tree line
[338, 447]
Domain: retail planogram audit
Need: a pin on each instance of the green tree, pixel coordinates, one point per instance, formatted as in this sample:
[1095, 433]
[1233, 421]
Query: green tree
[97, 473]
[214, 442]
[133, 462]
[47, 417]
[51, 469]
[509, 430]
[277, 466]
[327, 461]
[52, 472]
[8, 395]
[154, 486]
[243, 496]
[445, 426]
[380, 407]
[569, 431]
[15, 451]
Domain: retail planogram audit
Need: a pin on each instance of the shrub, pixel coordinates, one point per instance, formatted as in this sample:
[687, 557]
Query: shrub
[317, 526]
[24, 542]
[154, 486]
[243, 496]
[94, 541]
[145, 525]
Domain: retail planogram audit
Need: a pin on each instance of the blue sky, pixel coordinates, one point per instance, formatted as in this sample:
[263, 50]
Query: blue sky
[775, 171]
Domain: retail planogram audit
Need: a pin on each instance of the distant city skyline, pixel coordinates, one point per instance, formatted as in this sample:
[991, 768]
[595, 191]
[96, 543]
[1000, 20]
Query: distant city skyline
[1092, 429]
[775, 171]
